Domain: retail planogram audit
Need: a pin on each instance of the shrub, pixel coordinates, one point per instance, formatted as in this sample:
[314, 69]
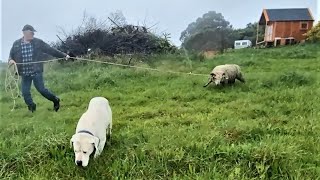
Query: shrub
[314, 34]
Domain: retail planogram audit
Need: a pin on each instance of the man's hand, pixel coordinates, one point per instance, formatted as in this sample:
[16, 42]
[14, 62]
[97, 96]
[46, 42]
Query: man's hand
[11, 61]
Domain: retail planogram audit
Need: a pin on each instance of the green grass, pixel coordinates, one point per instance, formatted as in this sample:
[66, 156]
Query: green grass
[168, 126]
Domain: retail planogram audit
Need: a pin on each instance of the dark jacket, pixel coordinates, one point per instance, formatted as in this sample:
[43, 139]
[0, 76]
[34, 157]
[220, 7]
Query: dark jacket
[40, 48]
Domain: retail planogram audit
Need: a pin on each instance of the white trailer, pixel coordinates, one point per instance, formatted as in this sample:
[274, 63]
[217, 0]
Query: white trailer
[239, 44]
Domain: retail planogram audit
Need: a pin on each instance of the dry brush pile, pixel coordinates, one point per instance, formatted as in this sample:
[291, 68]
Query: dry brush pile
[108, 40]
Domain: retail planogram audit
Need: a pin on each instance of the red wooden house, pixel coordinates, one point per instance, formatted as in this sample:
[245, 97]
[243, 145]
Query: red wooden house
[284, 26]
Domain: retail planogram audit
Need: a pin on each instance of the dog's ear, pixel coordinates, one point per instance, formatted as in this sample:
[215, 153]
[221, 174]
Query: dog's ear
[72, 140]
[95, 141]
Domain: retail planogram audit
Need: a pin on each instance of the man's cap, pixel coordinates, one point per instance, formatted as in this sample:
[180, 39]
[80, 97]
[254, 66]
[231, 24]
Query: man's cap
[28, 28]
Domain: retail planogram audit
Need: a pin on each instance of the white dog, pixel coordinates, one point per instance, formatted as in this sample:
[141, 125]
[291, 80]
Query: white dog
[93, 130]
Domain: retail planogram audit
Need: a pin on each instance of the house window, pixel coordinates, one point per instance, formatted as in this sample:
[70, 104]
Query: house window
[244, 43]
[304, 25]
[238, 44]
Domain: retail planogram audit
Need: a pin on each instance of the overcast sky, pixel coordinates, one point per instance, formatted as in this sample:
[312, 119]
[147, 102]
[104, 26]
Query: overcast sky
[173, 15]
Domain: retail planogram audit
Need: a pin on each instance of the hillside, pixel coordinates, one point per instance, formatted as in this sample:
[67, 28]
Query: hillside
[168, 126]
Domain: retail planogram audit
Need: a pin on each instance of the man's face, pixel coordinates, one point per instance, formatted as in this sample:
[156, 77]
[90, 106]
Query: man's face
[28, 35]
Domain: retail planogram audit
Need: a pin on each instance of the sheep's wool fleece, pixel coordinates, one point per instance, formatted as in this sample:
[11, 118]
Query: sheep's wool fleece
[231, 70]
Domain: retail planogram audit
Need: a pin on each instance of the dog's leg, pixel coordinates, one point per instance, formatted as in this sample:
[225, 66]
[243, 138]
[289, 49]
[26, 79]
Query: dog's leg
[101, 145]
[103, 141]
[109, 135]
[96, 154]
[98, 151]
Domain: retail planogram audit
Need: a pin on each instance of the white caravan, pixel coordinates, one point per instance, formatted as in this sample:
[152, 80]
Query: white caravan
[239, 44]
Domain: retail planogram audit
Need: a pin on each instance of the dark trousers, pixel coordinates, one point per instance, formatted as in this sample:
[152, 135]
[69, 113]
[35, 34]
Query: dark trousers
[39, 85]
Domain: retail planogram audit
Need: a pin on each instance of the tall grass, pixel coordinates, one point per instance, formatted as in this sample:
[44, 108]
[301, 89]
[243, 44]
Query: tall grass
[168, 126]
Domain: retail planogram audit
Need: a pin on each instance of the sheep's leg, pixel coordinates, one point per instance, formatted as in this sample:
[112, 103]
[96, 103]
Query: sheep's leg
[240, 78]
[231, 81]
[223, 83]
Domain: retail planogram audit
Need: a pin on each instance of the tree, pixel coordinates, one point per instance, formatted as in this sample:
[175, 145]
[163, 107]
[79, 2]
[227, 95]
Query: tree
[210, 32]
[314, 34]
[250, 33]
[210, 20]
[214, 39]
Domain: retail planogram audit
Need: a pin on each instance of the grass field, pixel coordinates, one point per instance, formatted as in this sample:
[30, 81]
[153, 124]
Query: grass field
[167, 126]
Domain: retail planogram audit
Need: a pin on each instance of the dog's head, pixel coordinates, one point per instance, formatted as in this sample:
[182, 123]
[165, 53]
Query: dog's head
[84, 145]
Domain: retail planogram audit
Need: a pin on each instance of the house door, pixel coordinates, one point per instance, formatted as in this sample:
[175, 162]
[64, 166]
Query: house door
[269, 31]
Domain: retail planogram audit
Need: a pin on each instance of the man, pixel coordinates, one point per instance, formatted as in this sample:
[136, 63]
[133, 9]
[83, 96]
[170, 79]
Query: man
[28, 50]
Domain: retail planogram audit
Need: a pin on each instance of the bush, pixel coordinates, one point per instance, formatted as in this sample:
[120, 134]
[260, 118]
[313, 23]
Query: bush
[314, 34]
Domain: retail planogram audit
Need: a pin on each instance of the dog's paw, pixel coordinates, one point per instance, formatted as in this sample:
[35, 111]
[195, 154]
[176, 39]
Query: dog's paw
[96, 155]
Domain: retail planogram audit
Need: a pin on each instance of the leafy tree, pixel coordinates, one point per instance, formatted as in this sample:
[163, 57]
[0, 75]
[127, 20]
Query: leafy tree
[209, 32]
[314, 34]
[210, 20]
[250, 33]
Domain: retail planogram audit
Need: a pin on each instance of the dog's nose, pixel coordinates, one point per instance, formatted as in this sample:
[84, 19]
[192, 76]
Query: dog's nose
[79, 163]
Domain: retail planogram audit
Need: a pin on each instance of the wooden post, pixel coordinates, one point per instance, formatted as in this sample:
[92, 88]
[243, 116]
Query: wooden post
[257, 40]
[265, 30]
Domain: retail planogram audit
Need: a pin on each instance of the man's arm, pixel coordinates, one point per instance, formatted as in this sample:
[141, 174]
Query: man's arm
[51, 51]
[10, 59]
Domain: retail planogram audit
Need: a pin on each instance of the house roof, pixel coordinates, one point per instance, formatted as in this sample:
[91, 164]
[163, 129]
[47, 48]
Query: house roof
[295, 14]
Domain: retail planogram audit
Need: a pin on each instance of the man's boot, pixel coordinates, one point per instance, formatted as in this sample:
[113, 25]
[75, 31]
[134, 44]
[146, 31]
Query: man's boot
[56, 104]
[32, 107]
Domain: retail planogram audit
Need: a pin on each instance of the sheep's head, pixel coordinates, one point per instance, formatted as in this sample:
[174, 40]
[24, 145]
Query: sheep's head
[219, 78]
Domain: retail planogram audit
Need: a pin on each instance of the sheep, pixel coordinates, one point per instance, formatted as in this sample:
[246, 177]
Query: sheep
[225, 74]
